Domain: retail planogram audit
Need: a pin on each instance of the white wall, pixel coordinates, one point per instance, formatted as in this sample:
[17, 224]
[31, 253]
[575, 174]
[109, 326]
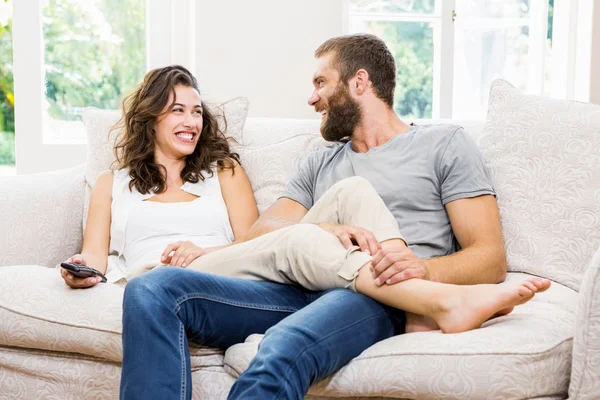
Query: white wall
[263, 50]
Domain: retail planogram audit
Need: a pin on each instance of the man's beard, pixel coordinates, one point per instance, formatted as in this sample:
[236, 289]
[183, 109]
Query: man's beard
[343, 116]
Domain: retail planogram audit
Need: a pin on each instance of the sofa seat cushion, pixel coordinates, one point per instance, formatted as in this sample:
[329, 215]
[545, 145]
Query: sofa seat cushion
[39, 311]
[525, 354]
[39, 374]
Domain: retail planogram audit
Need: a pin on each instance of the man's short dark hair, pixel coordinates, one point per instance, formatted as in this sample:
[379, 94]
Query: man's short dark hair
[353, 52]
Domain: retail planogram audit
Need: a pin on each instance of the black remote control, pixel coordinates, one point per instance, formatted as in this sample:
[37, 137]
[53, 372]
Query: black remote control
[82, 271]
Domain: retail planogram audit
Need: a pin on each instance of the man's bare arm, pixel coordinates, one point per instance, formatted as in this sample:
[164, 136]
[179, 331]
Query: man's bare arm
[284, 212]
[476, 225]
[482, 259]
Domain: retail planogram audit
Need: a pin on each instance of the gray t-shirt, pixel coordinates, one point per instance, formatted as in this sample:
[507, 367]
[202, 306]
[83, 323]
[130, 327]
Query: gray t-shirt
[415, 173]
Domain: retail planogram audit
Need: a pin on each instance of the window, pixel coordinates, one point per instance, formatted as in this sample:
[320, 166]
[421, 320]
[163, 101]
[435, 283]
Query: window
[449, 51]
[408, 29]
[85, 43]
[7, 99]
[494, 39]
[71, 54]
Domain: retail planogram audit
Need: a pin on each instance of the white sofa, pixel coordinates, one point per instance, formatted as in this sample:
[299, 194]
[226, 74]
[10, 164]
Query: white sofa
[543, 156]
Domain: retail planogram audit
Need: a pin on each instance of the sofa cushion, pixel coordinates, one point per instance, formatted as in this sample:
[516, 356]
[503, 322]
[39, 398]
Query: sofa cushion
[39, 311]
[40, 217]
[585, 377]
[38, 374]
[101, 138]
[543, 157]
[271, 153]
[264, 131]
[525, 354]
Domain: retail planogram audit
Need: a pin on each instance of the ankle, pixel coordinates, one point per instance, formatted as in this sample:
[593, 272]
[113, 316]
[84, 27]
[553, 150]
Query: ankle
[443, 303]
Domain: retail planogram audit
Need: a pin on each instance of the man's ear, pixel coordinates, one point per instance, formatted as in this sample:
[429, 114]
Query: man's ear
[361, 81]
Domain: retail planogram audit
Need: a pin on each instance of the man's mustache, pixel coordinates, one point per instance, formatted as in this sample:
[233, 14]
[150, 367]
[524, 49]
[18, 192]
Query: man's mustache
[319, 107]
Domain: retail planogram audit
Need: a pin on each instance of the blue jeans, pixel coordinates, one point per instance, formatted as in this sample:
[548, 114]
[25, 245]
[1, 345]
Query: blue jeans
[308, 335]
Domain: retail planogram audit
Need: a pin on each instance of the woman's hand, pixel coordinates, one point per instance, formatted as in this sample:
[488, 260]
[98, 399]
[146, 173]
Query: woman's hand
[183, 254]
[75, 282]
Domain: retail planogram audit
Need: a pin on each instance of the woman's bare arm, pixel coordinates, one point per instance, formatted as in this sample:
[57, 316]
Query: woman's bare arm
[97, 232]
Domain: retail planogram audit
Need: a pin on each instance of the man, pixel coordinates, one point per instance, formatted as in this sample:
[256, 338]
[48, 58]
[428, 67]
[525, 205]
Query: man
[432, 179]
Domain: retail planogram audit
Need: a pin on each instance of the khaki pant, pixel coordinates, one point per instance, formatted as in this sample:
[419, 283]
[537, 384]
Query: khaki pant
[305, 254]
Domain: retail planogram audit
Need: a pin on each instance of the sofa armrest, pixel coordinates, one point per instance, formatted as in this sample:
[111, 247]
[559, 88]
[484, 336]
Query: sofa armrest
[585, 372]
[41, 217]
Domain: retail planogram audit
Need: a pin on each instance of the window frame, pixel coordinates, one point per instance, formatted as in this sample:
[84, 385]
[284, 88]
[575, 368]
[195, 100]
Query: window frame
[564, 40]
[443, 47]
[169, 40]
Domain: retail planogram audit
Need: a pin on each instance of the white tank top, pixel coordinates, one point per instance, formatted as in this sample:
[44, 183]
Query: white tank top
[141, 229]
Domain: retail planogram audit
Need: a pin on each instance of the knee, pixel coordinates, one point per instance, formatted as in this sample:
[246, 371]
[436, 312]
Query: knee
[142, 292]
[287, 344]
[354, 184]
[138, 295]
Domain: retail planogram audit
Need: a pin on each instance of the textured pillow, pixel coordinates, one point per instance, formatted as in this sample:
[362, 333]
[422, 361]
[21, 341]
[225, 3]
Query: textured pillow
[543, 156]
[271, 166]
[585, 375]
[98, 124]
[271, 151]
[261, 131]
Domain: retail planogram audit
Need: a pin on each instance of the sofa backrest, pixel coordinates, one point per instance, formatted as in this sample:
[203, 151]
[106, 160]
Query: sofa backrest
[543, 156]
[544, 164]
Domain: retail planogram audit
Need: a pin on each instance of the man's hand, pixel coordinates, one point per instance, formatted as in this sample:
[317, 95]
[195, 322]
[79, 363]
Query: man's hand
[183, 253]
[364, 238]
[397, 264]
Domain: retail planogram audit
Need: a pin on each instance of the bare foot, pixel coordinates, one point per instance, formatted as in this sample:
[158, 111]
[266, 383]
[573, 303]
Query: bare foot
[419, 323]
[506, 311]
[470, 306]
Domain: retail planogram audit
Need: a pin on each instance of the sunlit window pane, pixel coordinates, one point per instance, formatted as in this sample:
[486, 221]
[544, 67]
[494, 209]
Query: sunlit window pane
[411, 43]
[94, 54]
[492, 41]
[407, 28]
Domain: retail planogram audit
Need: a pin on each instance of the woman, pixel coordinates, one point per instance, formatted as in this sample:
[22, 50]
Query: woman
[177, 178]
[180, 194]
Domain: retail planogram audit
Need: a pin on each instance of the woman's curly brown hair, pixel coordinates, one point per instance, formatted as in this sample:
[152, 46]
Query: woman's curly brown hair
[135, 147]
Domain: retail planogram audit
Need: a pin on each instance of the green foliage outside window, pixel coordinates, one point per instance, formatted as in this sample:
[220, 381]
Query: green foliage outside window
[7, 97]
[95, 53]
[411, 44]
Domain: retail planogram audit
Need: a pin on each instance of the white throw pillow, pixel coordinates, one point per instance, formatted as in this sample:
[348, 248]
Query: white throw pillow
[98, 124]
[544, 159]
[271, 151]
